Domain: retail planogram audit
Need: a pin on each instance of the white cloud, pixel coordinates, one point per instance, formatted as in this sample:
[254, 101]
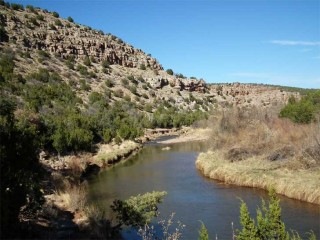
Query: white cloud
[295, 43]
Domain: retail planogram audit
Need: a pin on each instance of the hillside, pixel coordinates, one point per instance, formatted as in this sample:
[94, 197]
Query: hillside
[91, 61]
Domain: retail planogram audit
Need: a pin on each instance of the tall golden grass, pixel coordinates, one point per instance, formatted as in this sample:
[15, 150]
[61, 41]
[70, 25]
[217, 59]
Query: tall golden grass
[258, 149]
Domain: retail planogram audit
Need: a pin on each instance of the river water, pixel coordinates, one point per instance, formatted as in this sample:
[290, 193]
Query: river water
[191, 196]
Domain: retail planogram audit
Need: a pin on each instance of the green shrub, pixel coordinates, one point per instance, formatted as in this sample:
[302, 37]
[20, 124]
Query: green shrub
[145, 86]
[268, 224]
[55, 14]
[143, 67]
[30, 8]
[203, 232]
[118, 93]
[16, 6]
[107, 135]
[138, 210]
[303, 111]
[133, 89]
[82, 70]
[20, 168]
[3, 35]
[43, 54]
[124, 82]
[87, 61]
[84, 86]
[57, 22]
[70, 19]
[33, 20]
[52, 27]
[109, 83]
[95, 97]
[40, 17]
[169, 71]
[105, 64]
[144, 95]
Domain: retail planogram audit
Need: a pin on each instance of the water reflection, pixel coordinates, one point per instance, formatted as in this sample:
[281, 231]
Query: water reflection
[190, 195]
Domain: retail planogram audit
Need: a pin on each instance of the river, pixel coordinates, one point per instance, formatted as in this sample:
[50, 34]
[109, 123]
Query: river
[191, 196]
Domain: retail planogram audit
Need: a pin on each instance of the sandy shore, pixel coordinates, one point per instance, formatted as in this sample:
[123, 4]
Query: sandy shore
[189, 135]
[301, 184]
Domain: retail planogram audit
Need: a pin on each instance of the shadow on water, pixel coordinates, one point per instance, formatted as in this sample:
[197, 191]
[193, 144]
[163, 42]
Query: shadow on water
[190, 195]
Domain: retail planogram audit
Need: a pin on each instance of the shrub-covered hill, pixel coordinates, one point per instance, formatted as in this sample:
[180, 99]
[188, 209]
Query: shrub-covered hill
[78, 86]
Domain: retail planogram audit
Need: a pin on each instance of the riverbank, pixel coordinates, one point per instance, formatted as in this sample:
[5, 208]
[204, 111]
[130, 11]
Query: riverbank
[301, 184]
[66, 195]
[189, 134]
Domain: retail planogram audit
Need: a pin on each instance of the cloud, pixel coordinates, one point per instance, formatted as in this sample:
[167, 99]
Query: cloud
[295, 43]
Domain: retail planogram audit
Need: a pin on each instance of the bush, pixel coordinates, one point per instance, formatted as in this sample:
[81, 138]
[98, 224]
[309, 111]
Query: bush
[57, 22]
[105, 64]
[87, 61]
[20, 169]
[303, 111]
[107, 135]
[95, 97]
[268, 224]
[52, 27]
[124, 82]
[3, 35]
[55, 14]
[169, 71]
[43, 54]
[138, 210]
[70, 19]
[118, 93]
[109, 83]
[143, 67]
[82, 70]
[40, 17]
[16, 6]
[133, 89]
[30, 8]
[203, 232]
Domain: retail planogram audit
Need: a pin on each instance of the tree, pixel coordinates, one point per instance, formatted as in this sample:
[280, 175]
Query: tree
[70, 19]
[19, 167]
[268, 225]
[170, 71]
[203, 232]
[55, 14]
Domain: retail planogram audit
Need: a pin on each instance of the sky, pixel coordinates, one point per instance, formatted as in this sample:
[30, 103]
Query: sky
[248, 41]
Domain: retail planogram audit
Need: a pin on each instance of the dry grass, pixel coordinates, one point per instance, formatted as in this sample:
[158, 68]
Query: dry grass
[110, 154]
[255, 149]
[257, 172]
[263, 133]
[72, 197]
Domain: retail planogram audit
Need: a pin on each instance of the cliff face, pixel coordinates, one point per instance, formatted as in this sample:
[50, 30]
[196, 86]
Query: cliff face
[65, 38]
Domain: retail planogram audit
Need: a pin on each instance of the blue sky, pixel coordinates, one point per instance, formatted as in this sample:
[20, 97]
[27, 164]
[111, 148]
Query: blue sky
[260, 41]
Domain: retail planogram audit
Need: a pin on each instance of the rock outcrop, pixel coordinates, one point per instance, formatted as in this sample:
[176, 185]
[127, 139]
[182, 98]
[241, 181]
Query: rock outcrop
[63, 38]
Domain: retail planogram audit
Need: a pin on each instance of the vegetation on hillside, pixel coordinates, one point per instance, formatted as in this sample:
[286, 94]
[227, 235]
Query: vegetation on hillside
[306, 110]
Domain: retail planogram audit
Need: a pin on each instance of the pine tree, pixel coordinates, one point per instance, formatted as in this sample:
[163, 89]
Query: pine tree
[203, 232]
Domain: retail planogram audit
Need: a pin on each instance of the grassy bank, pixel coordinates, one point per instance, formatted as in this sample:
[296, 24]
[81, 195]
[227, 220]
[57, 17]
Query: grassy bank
[257, 149]
[300, 184]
